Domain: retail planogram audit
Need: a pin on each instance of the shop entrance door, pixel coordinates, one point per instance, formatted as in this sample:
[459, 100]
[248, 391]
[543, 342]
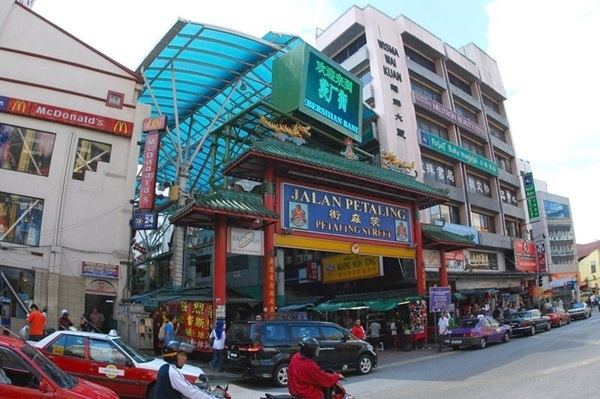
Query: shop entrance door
[104, 304]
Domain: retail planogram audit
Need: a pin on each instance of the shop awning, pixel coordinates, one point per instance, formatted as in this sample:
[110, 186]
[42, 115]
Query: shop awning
[381, 301]
[435, 237]
[297, 307]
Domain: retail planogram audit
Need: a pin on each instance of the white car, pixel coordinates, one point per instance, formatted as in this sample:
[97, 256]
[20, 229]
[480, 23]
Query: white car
[108, 360]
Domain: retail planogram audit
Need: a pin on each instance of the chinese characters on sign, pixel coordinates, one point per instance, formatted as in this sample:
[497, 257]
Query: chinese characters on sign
[193, 321]
[531, 198]
[390, 54]
[324, 212]
[350, 267]
[525, 255]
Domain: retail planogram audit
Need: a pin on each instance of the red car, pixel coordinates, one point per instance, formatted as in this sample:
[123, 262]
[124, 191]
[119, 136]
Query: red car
[109, 361]
[25, 373]
[558, 317]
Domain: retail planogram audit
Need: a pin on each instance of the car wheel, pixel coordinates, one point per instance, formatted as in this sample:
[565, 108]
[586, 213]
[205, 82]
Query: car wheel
[364, 364]
[569, 320]
[151, 392]
[548, 326]
[506, 338]
[532, 332]
[482, 343]
[280, 376]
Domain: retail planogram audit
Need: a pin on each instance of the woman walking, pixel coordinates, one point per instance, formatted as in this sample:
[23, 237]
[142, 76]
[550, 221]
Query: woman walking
[217, 337]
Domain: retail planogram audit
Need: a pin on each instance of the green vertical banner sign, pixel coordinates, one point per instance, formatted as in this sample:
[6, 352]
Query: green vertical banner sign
[532, 203]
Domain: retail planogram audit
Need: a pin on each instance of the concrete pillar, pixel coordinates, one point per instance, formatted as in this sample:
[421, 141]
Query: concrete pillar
[419, 255]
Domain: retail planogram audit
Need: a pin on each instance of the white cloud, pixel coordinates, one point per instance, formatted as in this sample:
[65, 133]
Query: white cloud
[128, 30]
[548, 52]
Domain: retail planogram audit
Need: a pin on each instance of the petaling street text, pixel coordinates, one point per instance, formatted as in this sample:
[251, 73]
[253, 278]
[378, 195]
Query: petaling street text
[353, 229]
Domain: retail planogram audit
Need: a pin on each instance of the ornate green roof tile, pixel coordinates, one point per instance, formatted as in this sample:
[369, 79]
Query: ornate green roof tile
[437, 233]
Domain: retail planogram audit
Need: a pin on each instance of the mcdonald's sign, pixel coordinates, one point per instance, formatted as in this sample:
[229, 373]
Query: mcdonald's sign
[151, 124]
[67, 116]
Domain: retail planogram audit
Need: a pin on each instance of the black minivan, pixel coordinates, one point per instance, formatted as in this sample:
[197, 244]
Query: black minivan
[264, 348]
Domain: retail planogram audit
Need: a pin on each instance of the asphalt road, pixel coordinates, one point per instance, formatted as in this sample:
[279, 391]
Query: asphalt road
[561, 363]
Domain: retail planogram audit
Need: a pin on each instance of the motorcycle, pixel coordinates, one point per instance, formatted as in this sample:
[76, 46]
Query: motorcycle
[335, 392]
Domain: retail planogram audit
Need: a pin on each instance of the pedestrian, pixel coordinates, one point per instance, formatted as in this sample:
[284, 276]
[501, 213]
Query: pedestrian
[64, 323]
[45, 313]
[375, 334]
[358, 331]
[217, 336]
[84, 325]
[394, 334]
[36, 322]
[442, 330]
[169, 330]
[452, 320]
[497, 313]
[97, 320]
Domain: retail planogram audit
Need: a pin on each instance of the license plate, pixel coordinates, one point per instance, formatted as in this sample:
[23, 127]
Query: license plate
[233, 355]
[456, 341]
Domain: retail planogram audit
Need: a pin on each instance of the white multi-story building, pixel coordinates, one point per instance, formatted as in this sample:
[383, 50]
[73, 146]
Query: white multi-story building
[69, 127]
[442, 109]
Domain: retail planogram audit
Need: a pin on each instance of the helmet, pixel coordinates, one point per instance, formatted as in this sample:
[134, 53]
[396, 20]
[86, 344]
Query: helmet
[64, 311]
[309, 347]
[170, 350]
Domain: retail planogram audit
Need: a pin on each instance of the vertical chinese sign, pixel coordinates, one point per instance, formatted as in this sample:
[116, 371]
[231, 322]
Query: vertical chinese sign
[531, 198]
[153, 127]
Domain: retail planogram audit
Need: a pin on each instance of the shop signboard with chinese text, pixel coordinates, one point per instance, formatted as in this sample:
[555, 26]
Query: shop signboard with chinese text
[461, 154]
[67, 116]
[541, 255]
[323, 212]
[348, 267]
[525, 255]
[194, 319]
[455, 260]
[440, 299]
[308, 82]
[531, 198]
[93, 269]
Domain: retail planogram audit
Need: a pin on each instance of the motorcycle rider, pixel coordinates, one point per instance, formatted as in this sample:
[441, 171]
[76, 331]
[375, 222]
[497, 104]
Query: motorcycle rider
[170, 383]
[306, 380]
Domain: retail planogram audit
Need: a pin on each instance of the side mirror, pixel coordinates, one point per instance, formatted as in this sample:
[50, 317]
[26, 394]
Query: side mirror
[45, 387]
[129, 363]
[346, 338]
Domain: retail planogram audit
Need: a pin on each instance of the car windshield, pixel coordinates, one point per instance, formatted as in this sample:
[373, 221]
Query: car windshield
[132, 352]
[469, 323]
[63, 379]
[521, 315]
[576, 305]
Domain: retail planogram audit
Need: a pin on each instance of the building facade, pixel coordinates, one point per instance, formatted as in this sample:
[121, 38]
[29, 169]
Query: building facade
[68, 159]
[441, 110]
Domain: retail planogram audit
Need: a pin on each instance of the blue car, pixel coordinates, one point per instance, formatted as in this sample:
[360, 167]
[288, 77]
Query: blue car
[478, 332]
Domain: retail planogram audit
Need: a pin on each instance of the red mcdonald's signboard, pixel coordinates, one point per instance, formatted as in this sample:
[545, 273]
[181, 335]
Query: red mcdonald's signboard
[67, 116]
[148, 180]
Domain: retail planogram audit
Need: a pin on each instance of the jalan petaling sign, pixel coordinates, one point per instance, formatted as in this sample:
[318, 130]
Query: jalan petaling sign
[322, 212]
[309, 83]
[447, 148]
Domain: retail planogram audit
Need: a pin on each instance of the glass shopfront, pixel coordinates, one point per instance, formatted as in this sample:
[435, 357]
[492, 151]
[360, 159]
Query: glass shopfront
[20, 219]
[25, 150]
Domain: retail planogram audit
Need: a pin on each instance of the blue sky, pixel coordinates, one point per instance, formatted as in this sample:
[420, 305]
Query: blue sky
[552, 98]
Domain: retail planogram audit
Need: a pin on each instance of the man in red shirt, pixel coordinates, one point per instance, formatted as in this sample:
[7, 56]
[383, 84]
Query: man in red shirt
[36, 321]
[358, 331]
[306, 380]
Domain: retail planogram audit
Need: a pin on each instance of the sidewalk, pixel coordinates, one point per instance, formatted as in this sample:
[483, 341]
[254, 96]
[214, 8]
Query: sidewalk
[386, 358]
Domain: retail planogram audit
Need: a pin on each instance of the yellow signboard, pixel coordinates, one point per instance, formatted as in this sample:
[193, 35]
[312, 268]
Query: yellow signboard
[349, 267]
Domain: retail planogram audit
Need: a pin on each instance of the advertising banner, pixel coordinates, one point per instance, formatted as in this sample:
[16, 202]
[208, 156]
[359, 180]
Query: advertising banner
[245, 242]
[93, 269]
[525, 255]
[530, 196]
[324, 212]
[67, 116]
[350, 267]
[455, 260]
[541, 255]
[193, 320]
[148, 179]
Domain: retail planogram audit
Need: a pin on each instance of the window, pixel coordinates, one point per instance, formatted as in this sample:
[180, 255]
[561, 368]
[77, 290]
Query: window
[106, 352]
[459, 83]
[478, 185]
[365, 76]
[67, 345]
[420, 59]
[275, 334]
[554, 210]
[20, 219]
[483, 222]
[491, 103]
[349, 50]
[89, 153]
[504, 163]
[427, 126]
[25, 150]
[508, 196]
[593, 266]
[332, 333]
[473, 147]
[17, 370]
[299, 332]
[447, 213]
[466, 112]
[437, 171]
[497, 133]
[483, 260]
[426, 91]
[512, 228]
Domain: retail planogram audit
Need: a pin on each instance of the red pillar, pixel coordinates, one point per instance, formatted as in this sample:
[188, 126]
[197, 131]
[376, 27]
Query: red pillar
[419, 256]
[269, 296]
[443, 269]
[220, 267]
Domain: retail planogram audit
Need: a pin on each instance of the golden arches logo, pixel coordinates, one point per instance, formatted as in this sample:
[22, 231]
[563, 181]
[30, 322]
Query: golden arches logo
[19, 106]
[120, 127]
